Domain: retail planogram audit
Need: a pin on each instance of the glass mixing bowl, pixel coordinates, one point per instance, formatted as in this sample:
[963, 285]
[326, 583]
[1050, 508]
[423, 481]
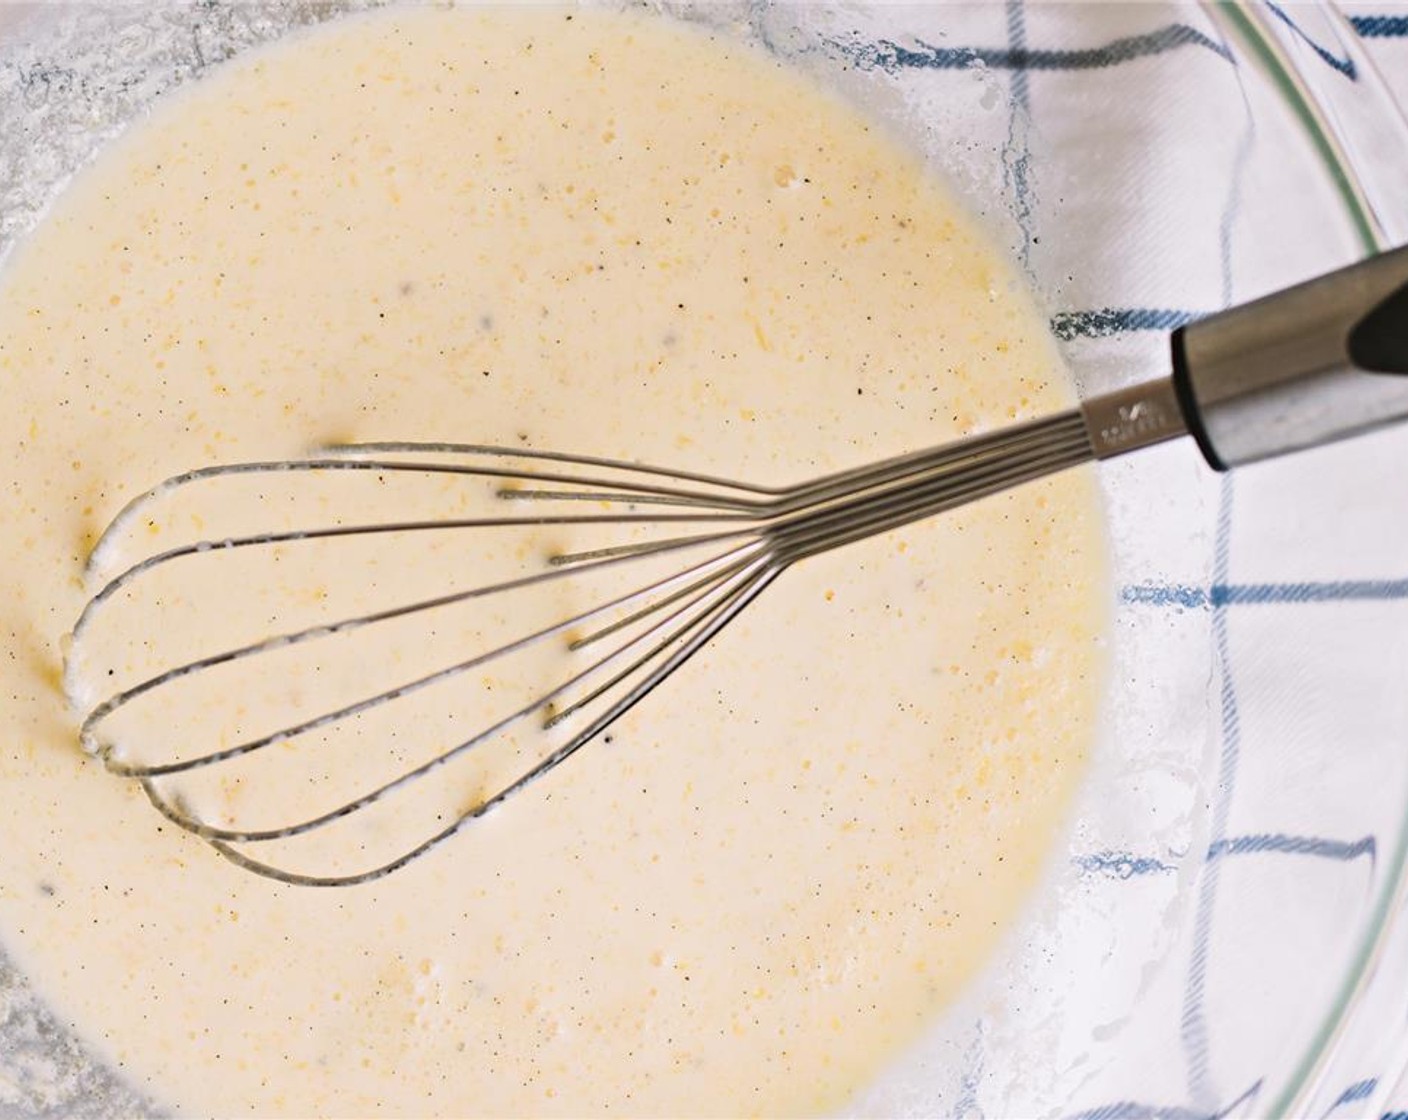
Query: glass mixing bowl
[1221, 929]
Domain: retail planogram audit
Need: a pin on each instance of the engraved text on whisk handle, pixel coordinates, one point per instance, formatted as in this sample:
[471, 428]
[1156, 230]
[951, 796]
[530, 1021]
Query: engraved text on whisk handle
[1128, 419]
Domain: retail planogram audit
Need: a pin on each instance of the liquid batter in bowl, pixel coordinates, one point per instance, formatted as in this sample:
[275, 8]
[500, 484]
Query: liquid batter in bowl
[606, 234]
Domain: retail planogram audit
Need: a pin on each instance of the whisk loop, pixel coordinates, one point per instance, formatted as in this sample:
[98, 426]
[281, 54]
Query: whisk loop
[701, 547]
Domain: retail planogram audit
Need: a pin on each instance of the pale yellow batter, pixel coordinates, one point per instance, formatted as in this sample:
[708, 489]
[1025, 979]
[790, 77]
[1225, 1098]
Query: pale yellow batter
[608, 235]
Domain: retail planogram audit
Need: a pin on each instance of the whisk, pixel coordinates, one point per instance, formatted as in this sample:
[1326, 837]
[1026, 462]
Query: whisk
[574, 639]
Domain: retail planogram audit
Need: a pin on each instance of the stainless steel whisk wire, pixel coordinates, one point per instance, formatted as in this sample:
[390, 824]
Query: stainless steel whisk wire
[762, 530]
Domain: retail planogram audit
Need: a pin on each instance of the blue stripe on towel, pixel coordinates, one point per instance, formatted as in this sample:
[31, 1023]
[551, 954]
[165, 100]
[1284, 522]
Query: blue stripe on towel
[1120, 865]
[1341, 850]
[1380, 27]
[1106, 321]
[891, 57]
[1344, 65]
[1190, 597]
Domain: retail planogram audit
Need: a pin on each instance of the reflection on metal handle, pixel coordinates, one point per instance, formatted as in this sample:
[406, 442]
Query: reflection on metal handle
[1306, 366]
